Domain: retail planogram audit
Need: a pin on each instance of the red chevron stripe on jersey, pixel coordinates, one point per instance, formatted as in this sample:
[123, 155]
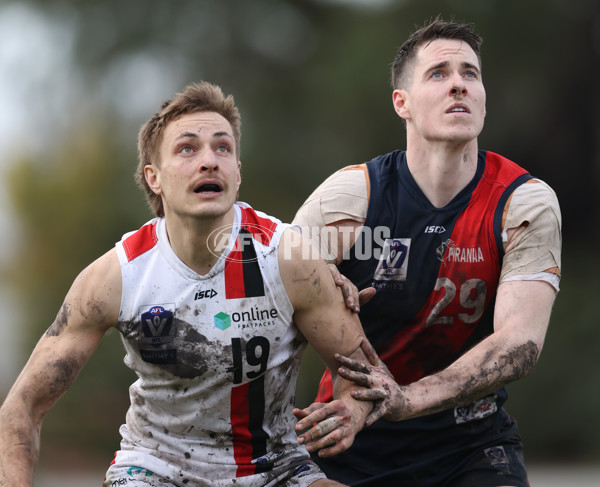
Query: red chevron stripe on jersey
[234, 273]
[243, 278]
[261, 228]
[141, 241]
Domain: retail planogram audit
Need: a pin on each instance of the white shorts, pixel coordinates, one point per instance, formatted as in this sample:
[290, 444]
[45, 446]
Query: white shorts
[299, 473]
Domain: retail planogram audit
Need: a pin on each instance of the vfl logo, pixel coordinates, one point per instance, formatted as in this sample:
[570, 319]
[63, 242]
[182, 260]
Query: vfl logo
[157, 324]
[158, 331]
[393, 264]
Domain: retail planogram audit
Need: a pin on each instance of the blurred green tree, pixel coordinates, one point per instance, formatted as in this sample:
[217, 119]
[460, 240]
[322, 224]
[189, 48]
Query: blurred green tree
[73, 202]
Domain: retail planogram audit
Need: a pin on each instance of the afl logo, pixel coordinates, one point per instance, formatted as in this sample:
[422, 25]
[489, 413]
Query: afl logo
[156, 310]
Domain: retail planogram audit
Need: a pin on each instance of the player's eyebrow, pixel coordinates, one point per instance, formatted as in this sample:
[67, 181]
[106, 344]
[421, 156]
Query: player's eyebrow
[194, 135]
[439, 65]
[222, 134]
[443, 64]
[184, 135]
[471, 66]
[435, 67]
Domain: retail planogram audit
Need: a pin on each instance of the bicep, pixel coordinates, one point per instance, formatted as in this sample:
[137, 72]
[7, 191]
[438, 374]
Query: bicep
[89, 309]
[53, 366]
[319, 310]
[533, 232]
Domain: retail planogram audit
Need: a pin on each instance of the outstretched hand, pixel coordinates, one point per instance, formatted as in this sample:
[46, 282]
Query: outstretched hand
[381, 387]
[352, 297]
[325, 428]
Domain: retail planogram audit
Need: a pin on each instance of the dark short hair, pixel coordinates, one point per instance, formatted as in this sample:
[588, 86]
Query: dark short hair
[435, 29]
[197, 97]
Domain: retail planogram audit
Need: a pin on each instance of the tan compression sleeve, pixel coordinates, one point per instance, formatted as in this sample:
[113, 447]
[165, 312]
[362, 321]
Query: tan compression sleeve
[342, 196]
[532, 228]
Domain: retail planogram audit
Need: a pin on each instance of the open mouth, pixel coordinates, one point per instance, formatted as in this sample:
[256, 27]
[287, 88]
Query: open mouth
[458, 109]
[208, 188]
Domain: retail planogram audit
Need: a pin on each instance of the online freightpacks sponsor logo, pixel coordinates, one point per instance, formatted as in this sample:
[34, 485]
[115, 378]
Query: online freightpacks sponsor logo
[254, 317]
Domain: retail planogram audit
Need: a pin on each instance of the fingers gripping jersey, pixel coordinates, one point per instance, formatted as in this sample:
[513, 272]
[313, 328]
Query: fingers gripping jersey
[216, 357]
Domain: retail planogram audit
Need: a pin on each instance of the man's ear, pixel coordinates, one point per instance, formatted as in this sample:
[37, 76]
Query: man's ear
[239, 175]
[152, 178]
[401, 103]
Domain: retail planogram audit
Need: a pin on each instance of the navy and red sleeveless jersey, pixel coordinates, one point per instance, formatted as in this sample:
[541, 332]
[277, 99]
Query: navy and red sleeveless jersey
[436, 270]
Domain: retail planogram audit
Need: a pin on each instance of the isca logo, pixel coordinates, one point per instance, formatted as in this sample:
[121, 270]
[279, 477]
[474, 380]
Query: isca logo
[222, 321]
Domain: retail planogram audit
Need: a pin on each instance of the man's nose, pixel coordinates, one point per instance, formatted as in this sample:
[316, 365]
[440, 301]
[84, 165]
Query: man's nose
[458, 85]
[208, 160]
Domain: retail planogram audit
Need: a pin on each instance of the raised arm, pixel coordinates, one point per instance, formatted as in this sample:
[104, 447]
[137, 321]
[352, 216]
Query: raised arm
[90, 308]
[321, 316]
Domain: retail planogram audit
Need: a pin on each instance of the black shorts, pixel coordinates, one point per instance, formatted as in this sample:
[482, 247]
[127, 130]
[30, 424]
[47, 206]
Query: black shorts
[486, 454]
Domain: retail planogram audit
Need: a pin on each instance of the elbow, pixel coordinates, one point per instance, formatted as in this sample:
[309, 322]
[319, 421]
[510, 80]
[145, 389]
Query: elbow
[523, 359]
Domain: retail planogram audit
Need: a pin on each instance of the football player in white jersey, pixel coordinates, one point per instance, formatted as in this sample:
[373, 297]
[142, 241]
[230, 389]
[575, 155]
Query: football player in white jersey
[214, 331]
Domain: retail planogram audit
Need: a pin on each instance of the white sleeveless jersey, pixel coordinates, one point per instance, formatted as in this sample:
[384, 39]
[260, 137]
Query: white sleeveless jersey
[217, 358]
